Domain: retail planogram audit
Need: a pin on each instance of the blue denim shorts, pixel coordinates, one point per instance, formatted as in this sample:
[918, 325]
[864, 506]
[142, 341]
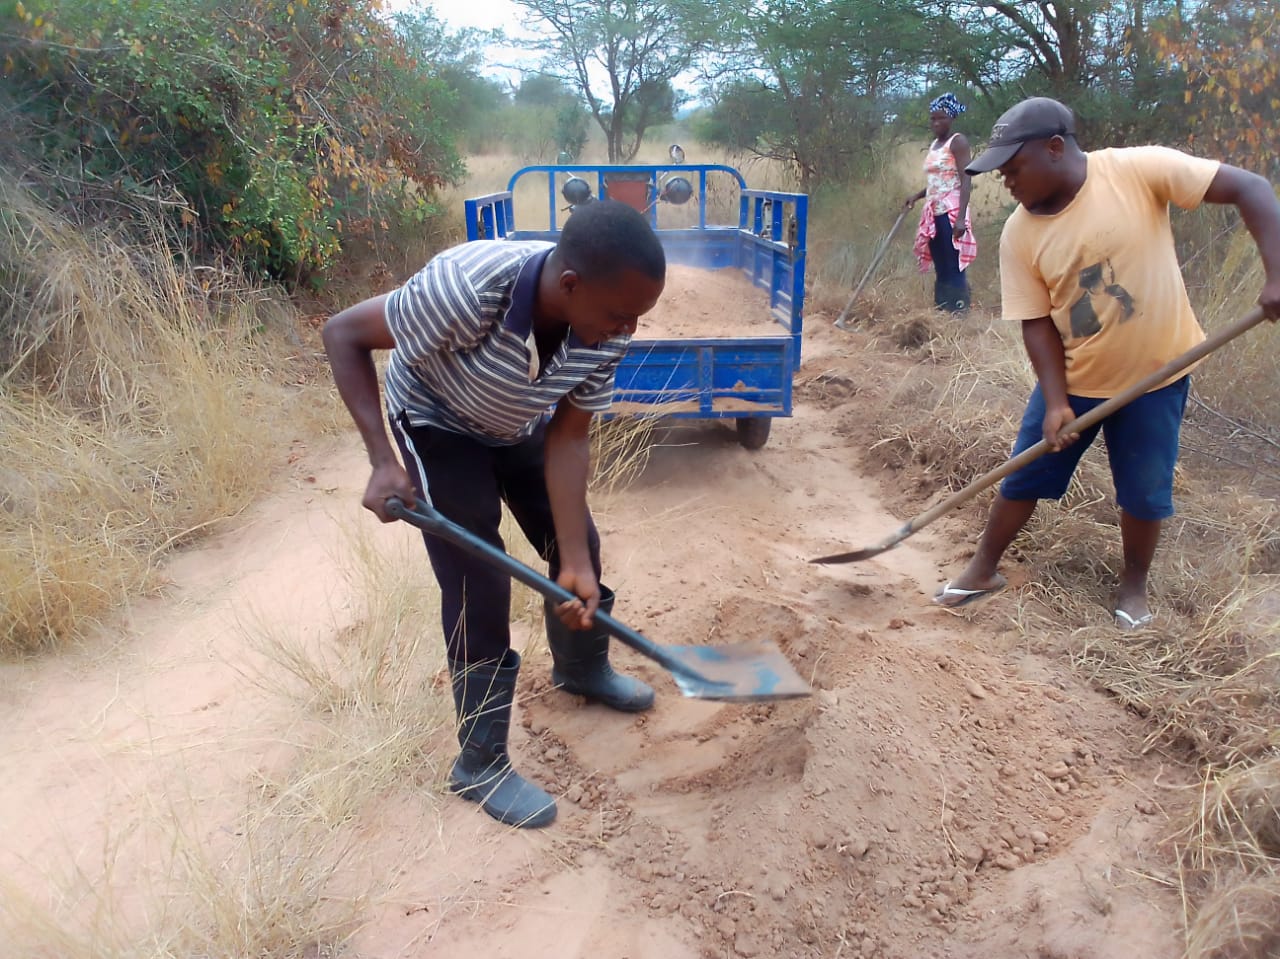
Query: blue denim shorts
[1142, 447]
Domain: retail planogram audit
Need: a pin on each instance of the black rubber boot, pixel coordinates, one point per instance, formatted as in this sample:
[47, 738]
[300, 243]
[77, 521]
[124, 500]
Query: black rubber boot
[482, 773]
[581, 666]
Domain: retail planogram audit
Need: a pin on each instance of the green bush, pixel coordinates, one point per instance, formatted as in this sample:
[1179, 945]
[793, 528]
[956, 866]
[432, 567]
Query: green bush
[273, 130]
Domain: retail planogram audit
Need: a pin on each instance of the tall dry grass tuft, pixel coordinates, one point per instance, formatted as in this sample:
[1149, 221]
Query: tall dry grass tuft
[1237, 922]
[138, 397]
[1230, 857]
[376, 689]
[273, 894]
[1231, 415]
[1238, 820]
[263, 886]
[620, 450]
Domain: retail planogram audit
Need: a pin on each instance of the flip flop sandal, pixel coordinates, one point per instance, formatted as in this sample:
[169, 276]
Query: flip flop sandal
[1129, 623]
[967, 596]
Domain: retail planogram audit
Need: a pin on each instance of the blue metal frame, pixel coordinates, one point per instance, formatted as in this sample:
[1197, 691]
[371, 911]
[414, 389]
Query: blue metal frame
[716, 378]
[744, 376]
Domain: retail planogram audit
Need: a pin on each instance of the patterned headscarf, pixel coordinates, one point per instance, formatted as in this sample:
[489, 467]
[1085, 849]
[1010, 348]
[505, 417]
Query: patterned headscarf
[949, 103]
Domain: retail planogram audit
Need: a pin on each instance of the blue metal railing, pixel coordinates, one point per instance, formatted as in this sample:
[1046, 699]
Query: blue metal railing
[768, 244]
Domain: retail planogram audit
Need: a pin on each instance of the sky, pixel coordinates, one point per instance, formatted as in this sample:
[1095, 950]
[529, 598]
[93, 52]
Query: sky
[502, 60]
[483, 14]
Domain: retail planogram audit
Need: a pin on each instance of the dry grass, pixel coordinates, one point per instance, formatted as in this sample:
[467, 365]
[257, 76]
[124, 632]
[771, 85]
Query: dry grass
[135, 393]
[620, 450]
[269, 881]
[1230, 857]
[1237, 922]
[1207, 676]
[267, 894]
[1238, 820]
[1225, 277]
[376, 690]
[288, 877]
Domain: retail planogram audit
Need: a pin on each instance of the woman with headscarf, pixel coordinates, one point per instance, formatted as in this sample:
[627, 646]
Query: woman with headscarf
[945, 235]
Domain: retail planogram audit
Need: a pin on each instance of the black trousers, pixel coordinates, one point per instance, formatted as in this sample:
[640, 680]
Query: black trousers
[950, 285]
[467, 482]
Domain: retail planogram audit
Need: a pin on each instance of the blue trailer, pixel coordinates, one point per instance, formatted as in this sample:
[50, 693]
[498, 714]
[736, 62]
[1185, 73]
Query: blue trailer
[743, 378]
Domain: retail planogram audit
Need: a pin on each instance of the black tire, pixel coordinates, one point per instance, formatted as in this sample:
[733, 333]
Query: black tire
[753, 431]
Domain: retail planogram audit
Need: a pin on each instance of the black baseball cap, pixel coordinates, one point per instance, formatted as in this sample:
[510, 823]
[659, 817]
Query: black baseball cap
[1036, 119]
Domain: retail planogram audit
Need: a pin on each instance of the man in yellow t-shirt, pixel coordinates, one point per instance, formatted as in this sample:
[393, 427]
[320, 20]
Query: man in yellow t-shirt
[1088, 267]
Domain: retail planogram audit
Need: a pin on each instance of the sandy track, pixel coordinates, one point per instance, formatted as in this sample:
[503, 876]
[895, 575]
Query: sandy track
[945, 793]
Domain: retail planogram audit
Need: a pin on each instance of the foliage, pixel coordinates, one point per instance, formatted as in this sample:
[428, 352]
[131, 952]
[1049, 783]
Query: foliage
[139, 397]
[654, 104]
[620, 56]
[1096, 55]
[547, 118]
[272, 130]
[1227, 59]
[808, 81]
[471, 103]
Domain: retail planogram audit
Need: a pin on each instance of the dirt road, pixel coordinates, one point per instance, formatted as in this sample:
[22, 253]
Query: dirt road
[945, 792]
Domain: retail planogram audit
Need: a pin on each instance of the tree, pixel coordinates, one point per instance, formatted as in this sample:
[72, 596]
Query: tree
[621, 56]
[654, 103]
[1095, 55]
[1228, 59]
[546, 118]
[560, 111]
[808, 81]
[470, 103]
[1052, 38]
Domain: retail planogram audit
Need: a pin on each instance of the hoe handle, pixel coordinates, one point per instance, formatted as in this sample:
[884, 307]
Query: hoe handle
[1100, 412]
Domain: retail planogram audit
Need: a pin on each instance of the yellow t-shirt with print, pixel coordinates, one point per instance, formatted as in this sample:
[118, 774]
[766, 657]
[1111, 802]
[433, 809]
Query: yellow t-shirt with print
[1105, 269]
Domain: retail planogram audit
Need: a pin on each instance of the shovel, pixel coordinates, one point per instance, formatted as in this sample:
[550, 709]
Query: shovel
[737, 673]
[1100, 412]
[876, 259]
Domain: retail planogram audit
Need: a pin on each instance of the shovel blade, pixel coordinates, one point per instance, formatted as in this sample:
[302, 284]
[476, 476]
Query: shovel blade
[856, 556]
[737, 673]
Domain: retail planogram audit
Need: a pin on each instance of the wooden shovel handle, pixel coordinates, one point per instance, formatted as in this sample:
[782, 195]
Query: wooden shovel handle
[1100, 412]
[881, 249]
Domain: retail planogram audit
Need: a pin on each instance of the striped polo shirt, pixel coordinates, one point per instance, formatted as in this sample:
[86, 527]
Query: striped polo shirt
[465, 358]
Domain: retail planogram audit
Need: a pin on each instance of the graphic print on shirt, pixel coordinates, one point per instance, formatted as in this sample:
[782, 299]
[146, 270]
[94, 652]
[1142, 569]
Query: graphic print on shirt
[1098, 299]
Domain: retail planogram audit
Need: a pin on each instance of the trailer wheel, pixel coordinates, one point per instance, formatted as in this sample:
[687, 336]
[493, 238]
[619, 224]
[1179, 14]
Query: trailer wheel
[753, 431]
